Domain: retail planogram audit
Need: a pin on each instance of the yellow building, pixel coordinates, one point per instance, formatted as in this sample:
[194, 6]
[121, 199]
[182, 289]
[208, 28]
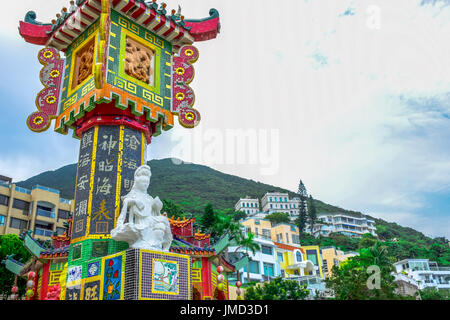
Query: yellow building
[291, 261]
[40, 210]
[295, 260]
[259, 227]
[282, 232]
[333, 257]
[286, 233]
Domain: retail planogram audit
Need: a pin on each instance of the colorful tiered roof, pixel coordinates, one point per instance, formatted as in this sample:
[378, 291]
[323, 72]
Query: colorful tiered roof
[54, 253]
[72, 22]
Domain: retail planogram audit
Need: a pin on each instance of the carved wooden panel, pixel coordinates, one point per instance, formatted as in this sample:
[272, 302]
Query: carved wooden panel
[139, 61]
[84, 64]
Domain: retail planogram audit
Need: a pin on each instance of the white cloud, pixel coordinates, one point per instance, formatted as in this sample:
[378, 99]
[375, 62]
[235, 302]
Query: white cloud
[432, 227]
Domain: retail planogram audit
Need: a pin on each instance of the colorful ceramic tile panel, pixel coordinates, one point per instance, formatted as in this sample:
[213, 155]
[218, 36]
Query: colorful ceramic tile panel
[112, 278]
[164, 276]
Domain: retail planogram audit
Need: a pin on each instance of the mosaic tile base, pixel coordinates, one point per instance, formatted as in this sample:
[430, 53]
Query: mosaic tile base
[152, 275]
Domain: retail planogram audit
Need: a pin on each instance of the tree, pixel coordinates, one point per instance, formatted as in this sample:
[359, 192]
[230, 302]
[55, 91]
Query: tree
[239, 215]
[208, 218]
[312, 214]
[303, 215]
[277, 289]
[225, 224]
[367, 241]
[432, 294]
[351, 280]
[302, 190]
[248, 244]
[278, 217]
[173, 209]
[11, 244]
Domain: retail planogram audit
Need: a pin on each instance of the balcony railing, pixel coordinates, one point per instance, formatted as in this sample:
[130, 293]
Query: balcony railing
[43, 232]
[22, 190]
[440, 268]
[46, 189]
[45, 213]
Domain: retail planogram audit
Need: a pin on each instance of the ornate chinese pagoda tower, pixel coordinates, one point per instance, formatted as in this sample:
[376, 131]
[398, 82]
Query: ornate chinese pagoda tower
[123, 79]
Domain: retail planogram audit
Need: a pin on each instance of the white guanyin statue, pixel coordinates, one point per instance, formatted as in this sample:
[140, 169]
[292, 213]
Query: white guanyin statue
[145, 227]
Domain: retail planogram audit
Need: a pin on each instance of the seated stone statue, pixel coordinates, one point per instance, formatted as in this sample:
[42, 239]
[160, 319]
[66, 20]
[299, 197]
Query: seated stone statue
[145, 227]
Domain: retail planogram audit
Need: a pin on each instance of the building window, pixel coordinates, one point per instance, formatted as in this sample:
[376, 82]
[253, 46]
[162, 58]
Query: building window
[45, 212]
[266, 250]
[18, 224]
[21, 205]
[266, 233]
[312, 256]
[63, 214]
[325, 265]
[42, 228]
[298, 256]
[268, 269]
[253, 266]
[2, 220]
[257, 222]
[4, 200]
[280, 256]
[287, 237]
[295, 239]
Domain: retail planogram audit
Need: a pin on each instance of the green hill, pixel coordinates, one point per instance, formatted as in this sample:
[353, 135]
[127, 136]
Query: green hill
[192, 186]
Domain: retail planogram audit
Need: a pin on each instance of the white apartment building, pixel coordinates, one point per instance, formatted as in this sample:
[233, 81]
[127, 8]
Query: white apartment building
[345, 224]
[247, 205]
[273, 202]
[422, 273]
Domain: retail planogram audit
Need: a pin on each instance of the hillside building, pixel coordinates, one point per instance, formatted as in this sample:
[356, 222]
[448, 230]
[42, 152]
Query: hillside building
[343, 223]
[247, 205]
[273, 202]
[422, 273]
[41, 210]
[333, 257]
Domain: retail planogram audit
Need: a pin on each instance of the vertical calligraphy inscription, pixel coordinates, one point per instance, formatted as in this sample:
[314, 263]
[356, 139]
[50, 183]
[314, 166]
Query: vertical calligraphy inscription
[82, 186]
[104, 191]
[132, 157]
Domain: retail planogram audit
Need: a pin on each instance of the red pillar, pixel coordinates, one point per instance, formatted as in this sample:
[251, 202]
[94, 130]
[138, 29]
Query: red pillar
[44, 280]
[206, 278]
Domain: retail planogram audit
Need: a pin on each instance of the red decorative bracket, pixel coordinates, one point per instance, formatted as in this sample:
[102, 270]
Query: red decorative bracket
[183, 96]
[48, 99]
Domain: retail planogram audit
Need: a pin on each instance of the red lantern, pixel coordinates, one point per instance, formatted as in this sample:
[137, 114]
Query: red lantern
[31, 275]
[14, 289]
[220, 269]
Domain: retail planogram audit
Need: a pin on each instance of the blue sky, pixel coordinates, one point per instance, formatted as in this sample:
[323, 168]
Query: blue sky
[358, 91]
